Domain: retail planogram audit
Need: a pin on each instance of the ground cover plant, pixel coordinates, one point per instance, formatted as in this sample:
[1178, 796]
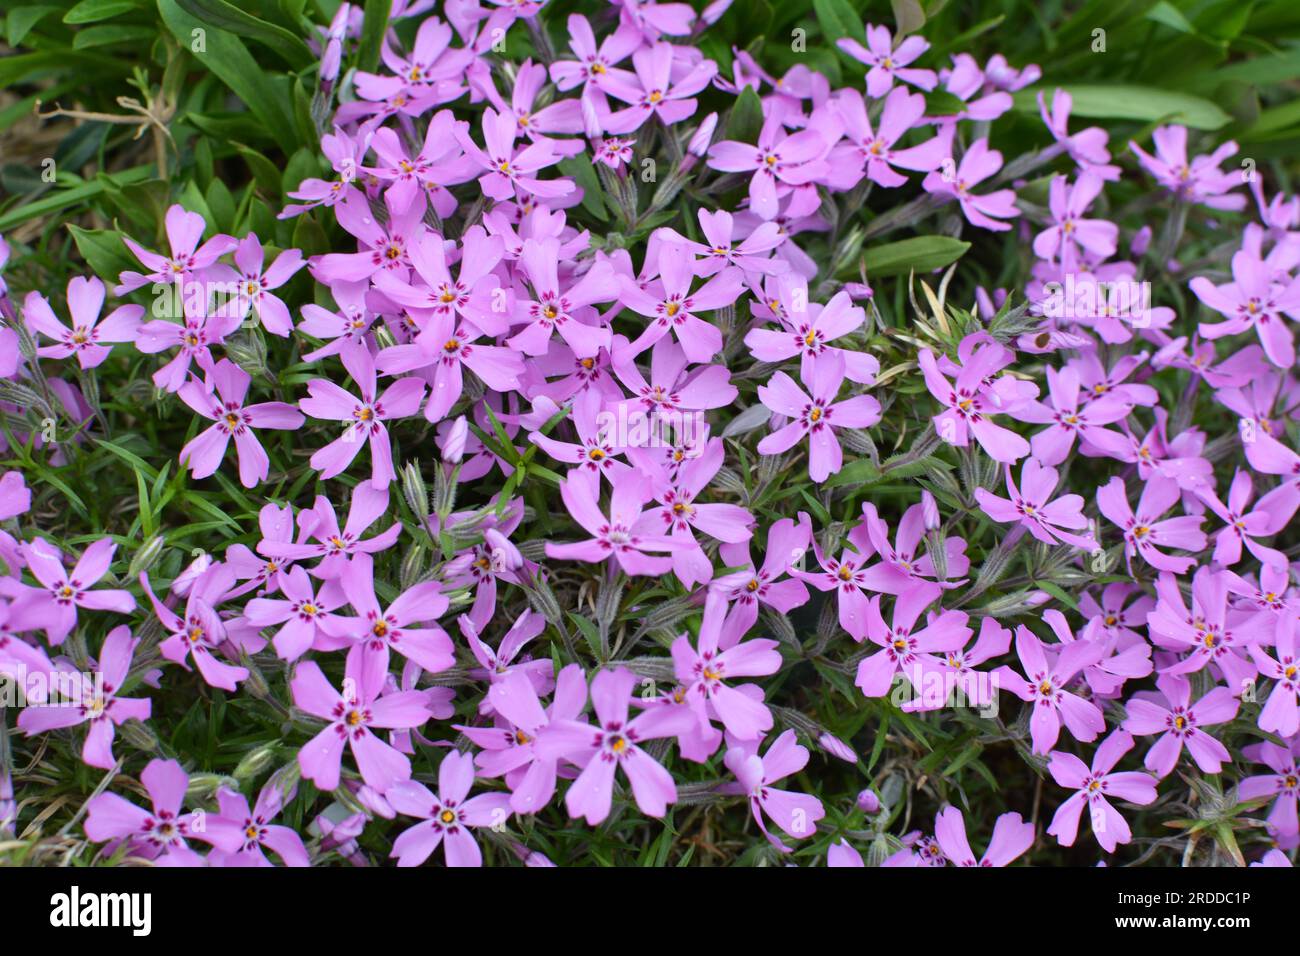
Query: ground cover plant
[623, 433]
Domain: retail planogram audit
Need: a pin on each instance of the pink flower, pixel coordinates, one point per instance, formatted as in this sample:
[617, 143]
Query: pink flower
[808, 328]
[595, 66]
[568, 312]
[474, 295]
[846, 578]
[970, 402]
[1071, 235]
[160, 834]
[1203, 633]
[511, 750]
[1284, 782]
[1030, 506]
[613, 536]
[671, 394]
[447, 817]
[320, 525]
[441, 352]
[899, 569]
[1180, 723]
[200, 330]
[977, 164]
[615, 742]
[352, 717]
[94, 701]
[674, 309]
[1271, 514]
[796, 814]
[364, 416]
[705, 670]
[203, 454]
[1200, 181]
[52, 607]
[1087, 147]
[787, 542]
[790, 159]
[510, 172]
[680, 515]
[385, 248]
[888, 64]
[1093, 787]
[86, 337]
[201, 632]
[1281, 712]
[302, 614]
[1144, 531]
[1047, 673]
[1012, 838]
[188, 261]
[1252, 299]
[259, 833]
[379, 630]
[815, 418]
[256, 283]
[906, 649]
[654, 93]
[874, 149]
[440, 163]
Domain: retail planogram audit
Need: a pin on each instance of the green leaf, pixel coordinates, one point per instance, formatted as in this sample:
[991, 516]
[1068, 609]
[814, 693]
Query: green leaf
[1058, 593]
[265, 173]
[1146, 104]
[858, 472]
[746, 118]
[21, 21]
[63, 198]
[90, 11]
[107, 33]
[103, 250]
[286, 45]
[918, 254]
[374, 25]
[580, 170]
[226, 56]
[837, 19]
[908, 16]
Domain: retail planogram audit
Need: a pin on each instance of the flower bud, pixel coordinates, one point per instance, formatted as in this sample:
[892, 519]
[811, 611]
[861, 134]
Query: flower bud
[415, 491]
[453, 445]
[254, 762]
[703, 136]
[868, 802]
[1140, 242]
[836, 747]
[929, 511]
[145, 558]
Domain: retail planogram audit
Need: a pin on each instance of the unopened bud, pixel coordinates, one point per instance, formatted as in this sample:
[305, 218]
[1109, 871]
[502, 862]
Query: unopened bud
[140, 736]
[415, 492]
[836, 747]
[412, 566]
[703, 136]
[929, 511]
[146, 557]
[868, 802]
[453, 446]
[249, 353]
[1141, 241]
[254, 762]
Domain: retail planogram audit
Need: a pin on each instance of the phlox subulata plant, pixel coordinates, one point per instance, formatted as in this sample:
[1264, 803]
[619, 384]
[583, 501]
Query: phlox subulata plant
[610, 445]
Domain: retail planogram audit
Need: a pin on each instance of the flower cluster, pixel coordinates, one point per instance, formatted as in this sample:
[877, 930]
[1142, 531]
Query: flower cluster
[547, 515]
